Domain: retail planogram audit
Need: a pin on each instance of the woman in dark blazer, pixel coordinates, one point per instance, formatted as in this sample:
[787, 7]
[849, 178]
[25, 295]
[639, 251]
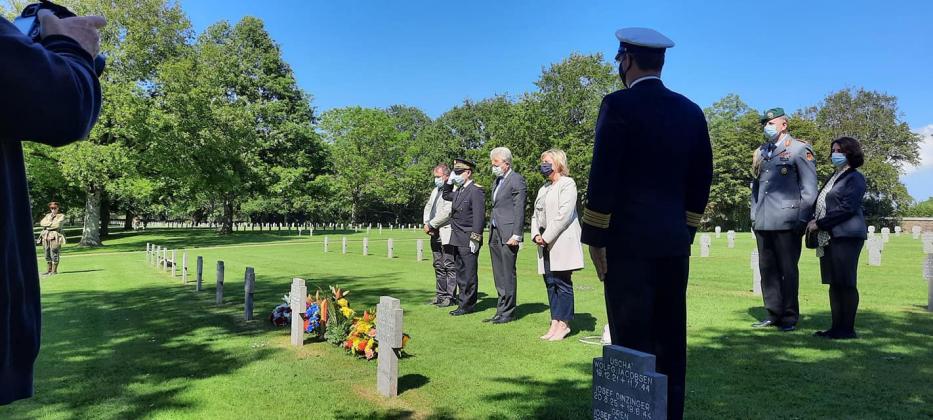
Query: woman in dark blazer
[841, 232]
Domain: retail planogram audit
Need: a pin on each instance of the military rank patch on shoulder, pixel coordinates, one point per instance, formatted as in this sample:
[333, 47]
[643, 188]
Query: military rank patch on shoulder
[809, 155]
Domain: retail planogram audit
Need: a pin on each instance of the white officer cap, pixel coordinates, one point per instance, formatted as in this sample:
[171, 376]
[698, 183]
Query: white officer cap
[643, 37]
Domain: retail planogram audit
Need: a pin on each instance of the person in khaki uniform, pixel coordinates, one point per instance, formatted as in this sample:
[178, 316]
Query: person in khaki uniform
[51, 237]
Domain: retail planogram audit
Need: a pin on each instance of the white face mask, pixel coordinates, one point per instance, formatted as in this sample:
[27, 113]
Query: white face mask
[497, 171]
[457, 178]
[438, 182]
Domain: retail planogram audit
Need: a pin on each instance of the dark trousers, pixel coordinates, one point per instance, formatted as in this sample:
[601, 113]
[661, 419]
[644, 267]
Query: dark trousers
[445, 272]
[467, 279]
[646, 300]
[503, 273]
[778, 255]
[559, 291]
[839, 269]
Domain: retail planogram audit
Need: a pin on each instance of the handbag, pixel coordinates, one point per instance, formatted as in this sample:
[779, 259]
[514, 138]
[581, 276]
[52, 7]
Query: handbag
[812, 239]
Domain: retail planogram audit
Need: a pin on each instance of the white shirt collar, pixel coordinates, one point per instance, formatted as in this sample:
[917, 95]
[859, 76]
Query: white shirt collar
[643, 78]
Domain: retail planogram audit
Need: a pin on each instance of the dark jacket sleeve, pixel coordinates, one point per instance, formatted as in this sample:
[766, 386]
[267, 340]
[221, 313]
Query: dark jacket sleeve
[519, 192]
[51, 93]
[600, 194]
[806, 175]
[699, 179]
[447, 192]
[850, 197]
[479, 212]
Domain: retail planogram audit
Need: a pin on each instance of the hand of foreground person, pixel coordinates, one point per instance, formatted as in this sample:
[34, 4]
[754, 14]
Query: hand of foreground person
[512, 242]
[812, 226]
[598, 255]
[83, 29]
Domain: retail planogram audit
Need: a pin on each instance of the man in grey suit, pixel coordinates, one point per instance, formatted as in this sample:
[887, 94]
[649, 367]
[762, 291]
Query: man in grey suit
[783, 194]
[507, 226]
[437, 224]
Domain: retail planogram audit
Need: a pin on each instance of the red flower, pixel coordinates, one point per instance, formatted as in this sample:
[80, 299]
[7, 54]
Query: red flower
[361, 346]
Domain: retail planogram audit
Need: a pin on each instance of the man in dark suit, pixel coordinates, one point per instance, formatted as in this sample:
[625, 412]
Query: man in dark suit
[649, 184]
[467, 217]
[507, 225]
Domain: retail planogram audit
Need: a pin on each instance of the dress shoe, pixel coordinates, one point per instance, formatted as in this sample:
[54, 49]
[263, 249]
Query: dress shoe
[493, 319]
[787, 328]
[444, 303]
[501, 320]
[844, 335]
[458, 312]
[763, 324]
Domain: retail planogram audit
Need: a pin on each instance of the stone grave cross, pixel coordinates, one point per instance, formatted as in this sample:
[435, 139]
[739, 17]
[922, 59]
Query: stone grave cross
[626, 385]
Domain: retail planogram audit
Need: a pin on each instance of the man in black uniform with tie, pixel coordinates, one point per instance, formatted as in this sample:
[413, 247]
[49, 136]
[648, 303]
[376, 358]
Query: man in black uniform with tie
[467, 218]
[648, 188]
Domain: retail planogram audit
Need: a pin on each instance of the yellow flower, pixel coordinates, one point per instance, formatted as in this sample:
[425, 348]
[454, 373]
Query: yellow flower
[342, 303]
[370, 344]
[347, 312]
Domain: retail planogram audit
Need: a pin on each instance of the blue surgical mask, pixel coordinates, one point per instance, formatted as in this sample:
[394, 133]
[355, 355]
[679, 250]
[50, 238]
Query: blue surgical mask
[839, 159]
[457, 178]
[497, 171]
[771, 131]
[438, 182]
[547, 169]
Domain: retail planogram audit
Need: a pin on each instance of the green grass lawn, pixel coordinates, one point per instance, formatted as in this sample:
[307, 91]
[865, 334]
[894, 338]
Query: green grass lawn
[124, 340]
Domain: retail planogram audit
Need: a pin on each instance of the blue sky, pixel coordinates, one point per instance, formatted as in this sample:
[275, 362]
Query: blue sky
[435, 54]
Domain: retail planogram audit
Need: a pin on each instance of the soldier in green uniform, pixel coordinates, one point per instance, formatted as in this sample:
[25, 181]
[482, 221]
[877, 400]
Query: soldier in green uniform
[783, 194]
[51, 237]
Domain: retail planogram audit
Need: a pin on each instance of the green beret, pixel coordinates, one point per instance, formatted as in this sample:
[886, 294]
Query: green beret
[772, 114]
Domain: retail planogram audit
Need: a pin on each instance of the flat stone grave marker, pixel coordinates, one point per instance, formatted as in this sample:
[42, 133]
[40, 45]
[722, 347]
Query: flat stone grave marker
[296, 300]
[718, 231]
[389, 322]
[420, 246]
[626, 385]
[756, 274]
[730, 237]
[705, 241]
[249, 286]
[391, 248]
[219, 286]
[874, 251]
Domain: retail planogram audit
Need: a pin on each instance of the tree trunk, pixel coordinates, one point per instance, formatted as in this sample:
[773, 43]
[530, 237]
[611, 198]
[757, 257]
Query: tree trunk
[128, 221]
[226, 227]
[90, 235]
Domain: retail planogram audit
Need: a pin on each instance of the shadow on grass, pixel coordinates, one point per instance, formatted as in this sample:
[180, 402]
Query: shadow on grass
[411, 381]
[755, 373]
[751, 373]
[127, 354]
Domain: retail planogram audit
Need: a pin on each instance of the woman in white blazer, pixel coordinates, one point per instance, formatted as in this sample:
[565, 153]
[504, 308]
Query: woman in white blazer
[556, 231]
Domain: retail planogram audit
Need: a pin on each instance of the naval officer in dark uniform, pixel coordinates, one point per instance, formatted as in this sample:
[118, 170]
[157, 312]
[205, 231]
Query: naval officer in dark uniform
[649, 184]
[783, 194]
[467, 218]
